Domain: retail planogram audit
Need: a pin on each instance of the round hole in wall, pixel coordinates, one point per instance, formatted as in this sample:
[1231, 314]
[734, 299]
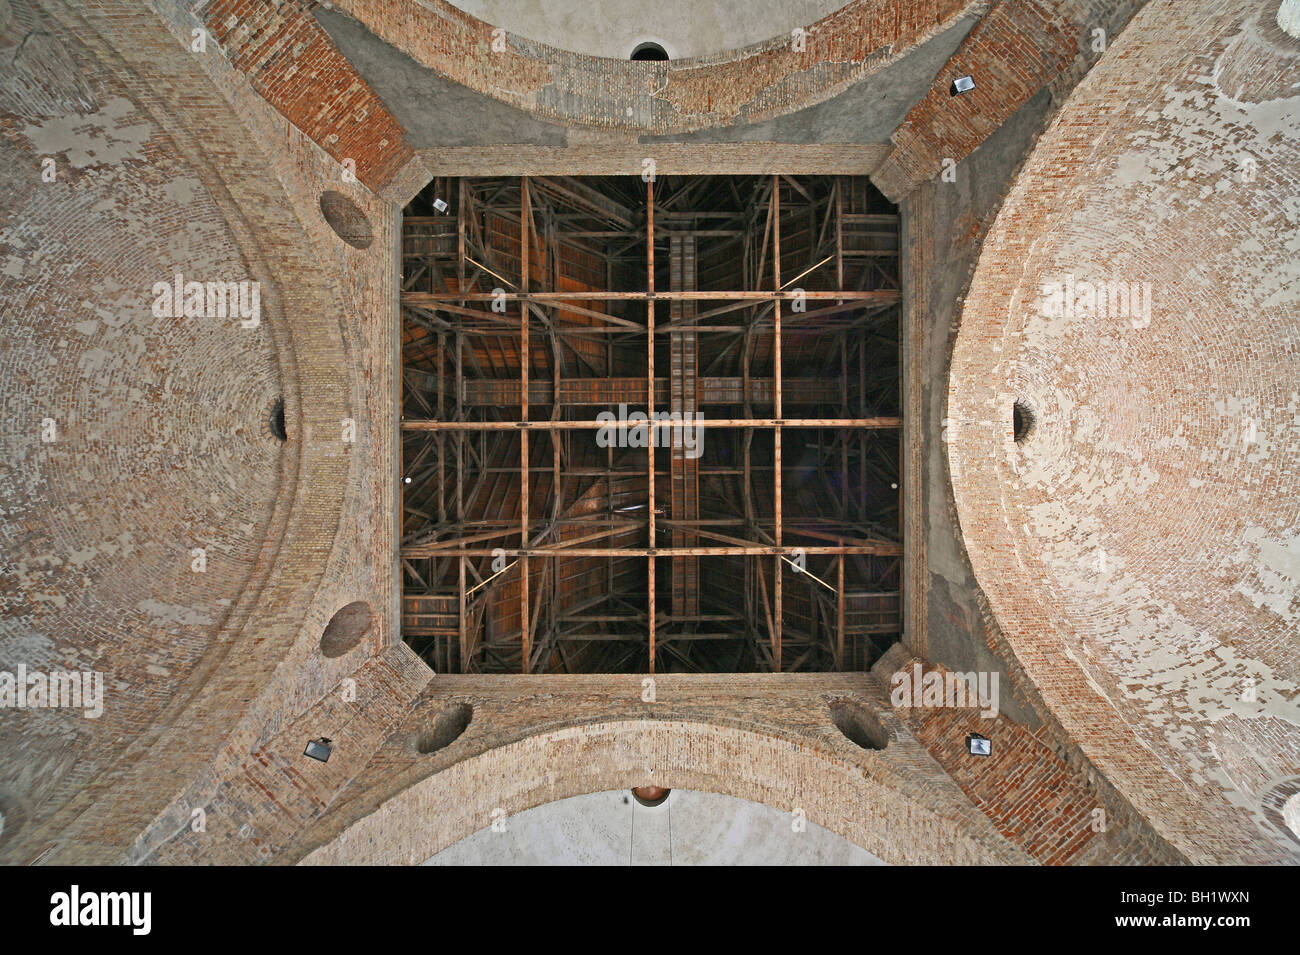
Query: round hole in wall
[447, 727]
[857, 723]
[345, 629]
[649, 51]
[1022, 421]
[275, 420]
[346, 219]
[650, 796]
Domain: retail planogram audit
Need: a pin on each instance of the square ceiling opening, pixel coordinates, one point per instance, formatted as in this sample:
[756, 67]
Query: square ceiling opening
[650, 426]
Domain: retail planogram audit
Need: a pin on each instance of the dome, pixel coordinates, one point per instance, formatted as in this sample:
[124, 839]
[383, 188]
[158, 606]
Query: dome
[1138, 297]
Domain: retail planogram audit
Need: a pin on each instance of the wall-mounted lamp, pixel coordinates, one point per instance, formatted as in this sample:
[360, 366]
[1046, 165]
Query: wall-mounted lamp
[319, 749]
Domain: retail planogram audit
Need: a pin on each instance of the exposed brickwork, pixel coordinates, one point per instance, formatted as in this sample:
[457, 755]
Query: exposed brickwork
[916, 262]
[1015, 50]
[214, 689]
[750, 85]
[180, 182]
[607, 158]
[1152, 508]
[947, 222]
[1032, 796]
[764, 737]
[294, 64]
[264, 796]
[160, 446]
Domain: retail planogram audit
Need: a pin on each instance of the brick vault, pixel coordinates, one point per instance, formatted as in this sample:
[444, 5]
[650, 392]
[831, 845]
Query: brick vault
[310, 317]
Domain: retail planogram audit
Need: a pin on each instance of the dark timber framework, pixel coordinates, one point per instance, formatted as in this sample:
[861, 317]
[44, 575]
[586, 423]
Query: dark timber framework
[531, 305]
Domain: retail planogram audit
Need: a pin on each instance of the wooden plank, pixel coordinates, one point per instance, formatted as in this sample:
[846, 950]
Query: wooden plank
[876, 296]
[416, 424]
[525, 354]
[650, 397]
[777, 586]
[876, 550]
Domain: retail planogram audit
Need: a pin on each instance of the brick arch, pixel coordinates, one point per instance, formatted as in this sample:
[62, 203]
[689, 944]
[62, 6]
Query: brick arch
[151, 742]
[869, 809]
[756, 83]
[1130, 547]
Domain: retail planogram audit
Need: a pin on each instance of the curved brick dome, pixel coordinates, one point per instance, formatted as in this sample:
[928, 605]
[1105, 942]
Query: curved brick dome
[131, 440]
[156, 528]
[1139, 544]
[756, 82]
[210, 515]
[614, 28]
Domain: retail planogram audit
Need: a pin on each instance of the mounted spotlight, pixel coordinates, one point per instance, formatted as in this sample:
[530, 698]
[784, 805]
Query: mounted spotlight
[440, 205]
[978, 745]
[319, 749]
[962, 84]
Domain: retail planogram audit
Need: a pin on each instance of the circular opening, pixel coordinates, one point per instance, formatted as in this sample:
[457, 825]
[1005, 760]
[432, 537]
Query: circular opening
[275, 420]
[346, 219]
[649, 51]
[1022, 421]
[1291, 814]
[650, 796]
[345, 629]
[447, 726]
[1288, 17]
[859, 725]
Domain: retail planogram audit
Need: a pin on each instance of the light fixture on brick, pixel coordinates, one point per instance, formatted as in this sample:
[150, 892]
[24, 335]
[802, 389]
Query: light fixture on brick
[978, 745]
[319, 749]
[962, 84]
